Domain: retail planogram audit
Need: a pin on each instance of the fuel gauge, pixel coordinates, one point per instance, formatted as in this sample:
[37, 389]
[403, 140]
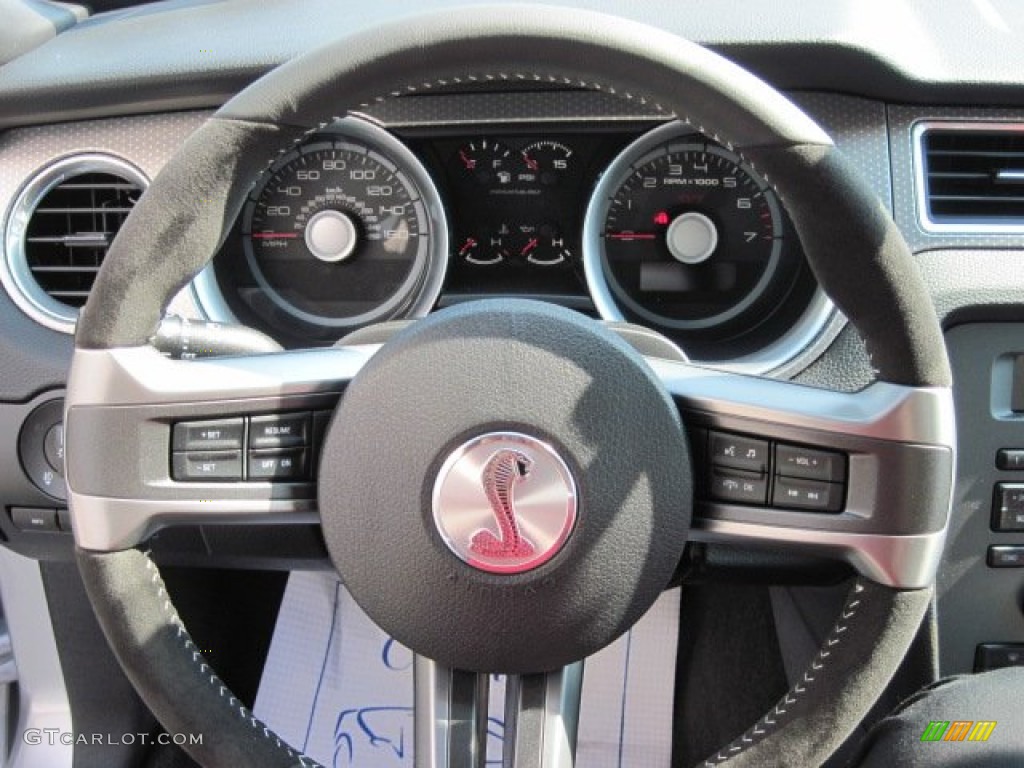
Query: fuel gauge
[490, 163]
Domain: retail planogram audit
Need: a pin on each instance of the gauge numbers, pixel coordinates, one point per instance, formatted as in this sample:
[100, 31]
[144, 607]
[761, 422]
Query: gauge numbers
[346, 231]
[683, 234]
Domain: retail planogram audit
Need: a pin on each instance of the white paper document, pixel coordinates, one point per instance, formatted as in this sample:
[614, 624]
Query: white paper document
[341, 690]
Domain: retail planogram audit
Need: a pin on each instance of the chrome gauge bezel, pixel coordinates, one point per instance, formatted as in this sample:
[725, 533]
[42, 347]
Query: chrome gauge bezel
[15, 273]
[419, 292]
[617, 176]
[817, 326]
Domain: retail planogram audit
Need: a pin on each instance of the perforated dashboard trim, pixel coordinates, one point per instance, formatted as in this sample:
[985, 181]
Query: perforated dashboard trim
[509, 108]
[857, 126]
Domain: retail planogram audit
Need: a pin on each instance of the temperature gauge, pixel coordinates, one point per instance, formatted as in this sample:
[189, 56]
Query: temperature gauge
[486, 248]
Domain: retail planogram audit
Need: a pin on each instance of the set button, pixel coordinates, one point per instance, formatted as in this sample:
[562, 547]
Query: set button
[272, 447]
[216, 435]
[212, 466]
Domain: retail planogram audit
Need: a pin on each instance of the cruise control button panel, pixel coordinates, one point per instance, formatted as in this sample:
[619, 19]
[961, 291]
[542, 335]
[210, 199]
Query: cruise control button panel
[268, 447]
[218, 435]
[742, 469]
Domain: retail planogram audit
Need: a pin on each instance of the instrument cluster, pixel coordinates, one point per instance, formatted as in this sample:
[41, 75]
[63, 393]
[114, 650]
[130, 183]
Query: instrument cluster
[493, 182]
[652, 224]
[515, 205]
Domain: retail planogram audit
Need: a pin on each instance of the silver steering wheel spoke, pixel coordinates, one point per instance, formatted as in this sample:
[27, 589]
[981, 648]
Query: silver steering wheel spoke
[541, 717]
[836, 471]
[129, 400]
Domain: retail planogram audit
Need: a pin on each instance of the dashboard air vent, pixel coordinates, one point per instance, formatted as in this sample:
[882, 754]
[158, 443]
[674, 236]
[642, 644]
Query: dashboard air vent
[71, 229]
[59, 232]
[971, 177]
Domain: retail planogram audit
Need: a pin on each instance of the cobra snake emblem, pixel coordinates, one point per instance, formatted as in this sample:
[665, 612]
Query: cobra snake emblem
[501, 474]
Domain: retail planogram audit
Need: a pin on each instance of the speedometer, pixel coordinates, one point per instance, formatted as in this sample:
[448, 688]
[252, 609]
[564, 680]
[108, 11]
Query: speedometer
[681, 233]
[346, 230]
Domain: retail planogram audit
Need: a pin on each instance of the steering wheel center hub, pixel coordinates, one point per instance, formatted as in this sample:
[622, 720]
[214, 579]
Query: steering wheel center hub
[505, 487]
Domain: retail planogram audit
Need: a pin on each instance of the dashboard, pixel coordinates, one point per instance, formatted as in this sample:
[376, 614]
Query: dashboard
[561, 194]
[467, 215]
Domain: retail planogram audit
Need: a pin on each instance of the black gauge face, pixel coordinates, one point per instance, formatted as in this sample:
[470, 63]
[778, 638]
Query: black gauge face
[338, 234]
[548, 161]
[543, 245]
[515, 203]
[486, 162]
[689, 236]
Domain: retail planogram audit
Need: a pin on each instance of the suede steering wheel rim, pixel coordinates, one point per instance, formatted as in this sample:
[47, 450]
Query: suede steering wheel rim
[852, 245]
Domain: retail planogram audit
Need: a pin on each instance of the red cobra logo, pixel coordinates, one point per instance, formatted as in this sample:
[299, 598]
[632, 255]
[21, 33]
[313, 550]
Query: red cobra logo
[505, 470]
[504, 502]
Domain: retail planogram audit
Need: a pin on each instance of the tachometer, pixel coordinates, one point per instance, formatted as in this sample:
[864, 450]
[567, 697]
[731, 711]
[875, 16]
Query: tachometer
[347, 230]
[681, 233]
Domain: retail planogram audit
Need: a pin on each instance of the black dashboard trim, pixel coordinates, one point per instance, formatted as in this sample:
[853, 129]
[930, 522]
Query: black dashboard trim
[135, 62]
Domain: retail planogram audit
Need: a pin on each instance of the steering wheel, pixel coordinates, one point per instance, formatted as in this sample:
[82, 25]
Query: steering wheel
[464, 399]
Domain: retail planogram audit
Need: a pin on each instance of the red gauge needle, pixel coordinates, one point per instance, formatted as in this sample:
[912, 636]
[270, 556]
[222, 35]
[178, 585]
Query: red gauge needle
[529, 246]
[470, 242]
[274, 235]
[469, 162]
[530, 162]
[630, 235]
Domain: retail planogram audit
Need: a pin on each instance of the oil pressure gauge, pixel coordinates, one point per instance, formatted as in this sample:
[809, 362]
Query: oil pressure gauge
[547, 161]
